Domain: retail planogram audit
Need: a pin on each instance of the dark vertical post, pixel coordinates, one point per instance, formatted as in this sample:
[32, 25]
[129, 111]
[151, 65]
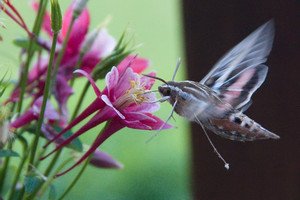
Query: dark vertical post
[258, 170]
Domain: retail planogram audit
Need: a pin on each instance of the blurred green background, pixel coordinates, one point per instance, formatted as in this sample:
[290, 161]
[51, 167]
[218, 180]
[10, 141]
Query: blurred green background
[155, 170]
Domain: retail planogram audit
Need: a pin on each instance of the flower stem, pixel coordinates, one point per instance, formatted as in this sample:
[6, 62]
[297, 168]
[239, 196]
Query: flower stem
[50, 179]
[5, 166]
[45, 98]
[82, 169]
[75, 179]
[36, 29]
[80, 100]
[20, 167]
[77, 66]
[52, 163]
[64, 46]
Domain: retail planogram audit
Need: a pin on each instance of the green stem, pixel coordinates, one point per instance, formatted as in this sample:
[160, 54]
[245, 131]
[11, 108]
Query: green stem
[20, 167]
[77, 66]
[79, 102]
[75, 179]
[5, 166]
[82, 169]
[45, 98]
[52, 163]
[49, 180]
[36, 29]
[64, 46]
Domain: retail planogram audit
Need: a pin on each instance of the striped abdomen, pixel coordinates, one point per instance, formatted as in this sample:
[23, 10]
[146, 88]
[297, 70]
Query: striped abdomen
[238, 126]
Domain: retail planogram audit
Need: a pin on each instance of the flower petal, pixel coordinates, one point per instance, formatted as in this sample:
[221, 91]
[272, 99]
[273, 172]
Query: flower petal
[136, 63]
[147, 81]
[79, 29]
[101, 159]
[96, 89]
[50, 112]
[103, 45]
[23, 120]
[108, 103]
[154, 124]
[62, 93]
[124, 82]
[111, 80]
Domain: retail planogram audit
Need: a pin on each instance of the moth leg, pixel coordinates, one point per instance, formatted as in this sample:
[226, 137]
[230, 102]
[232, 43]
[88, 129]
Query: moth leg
[226, 165]
[163, 99]
[160, 128]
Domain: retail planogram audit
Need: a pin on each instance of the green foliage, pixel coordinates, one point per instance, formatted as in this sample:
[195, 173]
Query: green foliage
[24, 44]
[52, 193]
[8, 153]
[32, 182]
[120, 52]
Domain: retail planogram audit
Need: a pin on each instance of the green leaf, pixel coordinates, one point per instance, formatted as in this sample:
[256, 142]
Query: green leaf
[105, 66]
[8, 153]
[24, 43]
[32, 182]
[52, 193]
[76, 144]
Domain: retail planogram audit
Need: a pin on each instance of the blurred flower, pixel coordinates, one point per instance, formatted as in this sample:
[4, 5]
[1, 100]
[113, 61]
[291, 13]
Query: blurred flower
[125, 102]
[33, 113]
[6, 133]
[101, 159]
[101, 46]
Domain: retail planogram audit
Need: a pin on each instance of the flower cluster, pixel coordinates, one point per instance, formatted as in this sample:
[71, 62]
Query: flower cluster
[126, 101]
[49, 70]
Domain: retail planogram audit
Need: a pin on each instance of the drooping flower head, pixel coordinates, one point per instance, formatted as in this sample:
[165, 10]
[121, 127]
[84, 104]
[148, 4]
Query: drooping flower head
[125, 102]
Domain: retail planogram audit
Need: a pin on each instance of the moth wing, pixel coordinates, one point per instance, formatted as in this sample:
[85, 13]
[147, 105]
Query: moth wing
[237, 91]
[242, 64]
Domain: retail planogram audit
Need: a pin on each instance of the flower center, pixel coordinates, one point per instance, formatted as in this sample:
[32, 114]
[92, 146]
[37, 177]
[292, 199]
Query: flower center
[136, 94]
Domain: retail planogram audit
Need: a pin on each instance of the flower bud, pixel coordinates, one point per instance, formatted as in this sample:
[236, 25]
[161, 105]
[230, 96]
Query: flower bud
[56, 19]
[101, 159]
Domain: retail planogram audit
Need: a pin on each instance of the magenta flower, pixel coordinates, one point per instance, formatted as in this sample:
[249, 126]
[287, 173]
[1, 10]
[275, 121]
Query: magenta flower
[125, 102]
[102, 46]
[33, 113]
[101, 159]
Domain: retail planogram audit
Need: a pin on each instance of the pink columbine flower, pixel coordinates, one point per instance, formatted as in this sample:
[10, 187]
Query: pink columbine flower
[125, 102]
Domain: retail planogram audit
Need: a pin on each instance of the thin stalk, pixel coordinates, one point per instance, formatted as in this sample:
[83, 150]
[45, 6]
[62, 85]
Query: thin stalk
[20, 167]
[77, 66]
[79, 102]
[45, 98]
[52, 163]
[49, 180]
[75, 179]
[36, 29]
[5, 166]
[64, 46]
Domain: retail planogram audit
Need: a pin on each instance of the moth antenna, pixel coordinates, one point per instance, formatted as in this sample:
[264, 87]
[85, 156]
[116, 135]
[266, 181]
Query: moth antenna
[160, 128]
[157, 78]
[226, 165]
[176, 69]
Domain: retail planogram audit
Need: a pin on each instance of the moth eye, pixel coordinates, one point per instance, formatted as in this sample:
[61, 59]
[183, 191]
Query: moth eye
[167, 92]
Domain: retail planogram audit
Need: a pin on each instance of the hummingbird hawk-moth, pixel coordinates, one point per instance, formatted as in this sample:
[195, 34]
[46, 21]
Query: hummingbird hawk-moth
[218, 101]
